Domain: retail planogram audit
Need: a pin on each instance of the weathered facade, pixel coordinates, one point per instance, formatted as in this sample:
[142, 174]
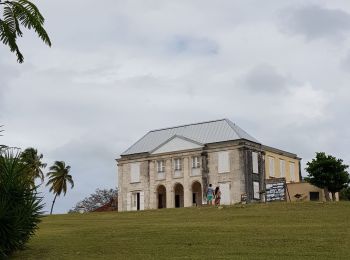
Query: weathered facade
[281, 164]
[173, 167]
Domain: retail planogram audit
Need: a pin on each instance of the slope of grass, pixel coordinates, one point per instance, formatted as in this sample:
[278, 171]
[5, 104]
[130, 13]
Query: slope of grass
[264, 231]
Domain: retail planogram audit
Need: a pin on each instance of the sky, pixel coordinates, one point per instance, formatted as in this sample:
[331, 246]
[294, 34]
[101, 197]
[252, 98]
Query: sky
[117, 69]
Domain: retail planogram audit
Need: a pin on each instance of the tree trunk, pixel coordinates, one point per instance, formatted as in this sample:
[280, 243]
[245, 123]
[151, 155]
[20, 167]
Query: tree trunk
[333, 196]
[326, 194]
[53, 202]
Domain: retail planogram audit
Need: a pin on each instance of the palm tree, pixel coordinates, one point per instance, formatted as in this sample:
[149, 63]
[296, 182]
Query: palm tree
[58, 178]
[32, 160]
[16, 13]
[20, 205]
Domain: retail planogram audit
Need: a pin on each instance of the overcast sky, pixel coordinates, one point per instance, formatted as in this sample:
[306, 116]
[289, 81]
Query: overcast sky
[117, 69]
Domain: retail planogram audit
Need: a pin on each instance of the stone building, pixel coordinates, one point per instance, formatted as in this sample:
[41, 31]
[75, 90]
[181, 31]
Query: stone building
[172, 167]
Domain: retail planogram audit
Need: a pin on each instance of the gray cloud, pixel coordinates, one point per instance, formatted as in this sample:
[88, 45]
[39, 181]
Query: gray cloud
[345, 63]
[7, 74]
[185, 44]
[265, 78]
[313, 21]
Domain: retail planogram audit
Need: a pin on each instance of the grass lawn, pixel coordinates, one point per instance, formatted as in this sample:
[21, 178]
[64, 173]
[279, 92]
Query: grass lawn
[262, 231]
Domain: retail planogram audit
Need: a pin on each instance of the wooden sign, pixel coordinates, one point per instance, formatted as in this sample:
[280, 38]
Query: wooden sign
[275, 189]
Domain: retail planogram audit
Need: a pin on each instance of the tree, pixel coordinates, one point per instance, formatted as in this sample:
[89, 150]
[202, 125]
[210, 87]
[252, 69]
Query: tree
[20, 205]
[328, 173]
[17, 13]
[95, 200]
[33, 162]
[344, 194]
[58, 178]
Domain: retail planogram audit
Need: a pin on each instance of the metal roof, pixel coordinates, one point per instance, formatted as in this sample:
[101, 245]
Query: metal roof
[205, 133]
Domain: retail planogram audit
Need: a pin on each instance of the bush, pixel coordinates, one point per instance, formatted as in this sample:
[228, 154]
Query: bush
[344, 194]
[20, 206]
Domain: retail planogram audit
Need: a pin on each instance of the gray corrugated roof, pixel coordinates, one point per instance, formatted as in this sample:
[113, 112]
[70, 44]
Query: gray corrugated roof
[204, 133]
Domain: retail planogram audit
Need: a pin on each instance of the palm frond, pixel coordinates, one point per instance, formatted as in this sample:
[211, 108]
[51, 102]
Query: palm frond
[30, 17]
[9, 29]
[16, 13]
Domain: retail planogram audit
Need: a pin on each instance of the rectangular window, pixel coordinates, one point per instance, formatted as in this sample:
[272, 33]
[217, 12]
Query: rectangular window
[291, 171]
[161, 166]
[223, 162]
[314, 196]
[135, 172]
[196, 162]
[271, 166]
[177, 164]
[256, 187]
[255, 162]
[282, 168]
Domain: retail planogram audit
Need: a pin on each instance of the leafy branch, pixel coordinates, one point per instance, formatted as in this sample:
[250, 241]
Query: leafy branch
[19, 13]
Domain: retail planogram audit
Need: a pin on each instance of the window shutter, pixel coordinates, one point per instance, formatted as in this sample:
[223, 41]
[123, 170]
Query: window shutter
[135, 172]
[291, 171]
[255, 162]
[271, 166]
[223, 162]
[282, 168]
[256, 188]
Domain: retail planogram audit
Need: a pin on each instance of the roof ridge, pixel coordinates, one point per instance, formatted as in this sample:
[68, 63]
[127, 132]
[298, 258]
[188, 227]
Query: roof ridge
[139, 140]
[199, 123]
[233, 126]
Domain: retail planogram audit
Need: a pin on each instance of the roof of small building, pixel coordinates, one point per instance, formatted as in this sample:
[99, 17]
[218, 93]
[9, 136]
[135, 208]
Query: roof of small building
[204, 133]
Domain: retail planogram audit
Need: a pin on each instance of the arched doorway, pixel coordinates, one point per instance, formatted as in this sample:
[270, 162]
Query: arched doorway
[161, 196]
[179, 195]
[196, 194]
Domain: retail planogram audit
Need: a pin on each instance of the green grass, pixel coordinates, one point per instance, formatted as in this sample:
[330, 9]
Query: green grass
[263, 231]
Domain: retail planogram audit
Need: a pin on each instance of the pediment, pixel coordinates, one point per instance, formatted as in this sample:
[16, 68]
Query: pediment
[177, 143]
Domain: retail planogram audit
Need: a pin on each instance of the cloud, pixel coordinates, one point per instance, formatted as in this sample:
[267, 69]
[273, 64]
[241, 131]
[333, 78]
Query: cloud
[190, 45]
[7, 74]
[264, 78]
[315, 22]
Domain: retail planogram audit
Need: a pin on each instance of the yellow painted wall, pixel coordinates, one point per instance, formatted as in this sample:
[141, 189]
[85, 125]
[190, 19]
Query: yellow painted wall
[277, 157]
[304, 189]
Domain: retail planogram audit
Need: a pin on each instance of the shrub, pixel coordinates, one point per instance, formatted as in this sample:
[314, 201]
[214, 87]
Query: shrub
[20, 206]
[344, 194]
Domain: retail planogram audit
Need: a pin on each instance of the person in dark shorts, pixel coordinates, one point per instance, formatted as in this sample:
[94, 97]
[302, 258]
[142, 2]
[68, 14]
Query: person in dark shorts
[217, 194]
[210, 195]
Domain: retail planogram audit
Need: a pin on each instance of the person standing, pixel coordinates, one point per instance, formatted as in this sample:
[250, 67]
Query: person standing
[217, 196]
[210, 195]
